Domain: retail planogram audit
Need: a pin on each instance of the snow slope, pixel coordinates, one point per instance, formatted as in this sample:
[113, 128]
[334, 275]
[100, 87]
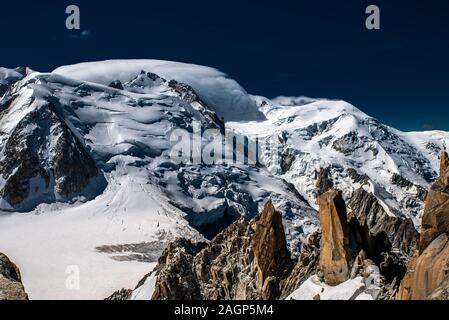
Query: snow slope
[45, 243]
[312, 288]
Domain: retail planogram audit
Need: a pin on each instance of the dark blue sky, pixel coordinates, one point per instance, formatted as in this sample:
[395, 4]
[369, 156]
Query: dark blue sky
[399, 74]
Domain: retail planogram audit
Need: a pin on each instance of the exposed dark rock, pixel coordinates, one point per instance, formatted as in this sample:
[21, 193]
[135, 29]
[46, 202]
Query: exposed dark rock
[11, 287]
[286, 162]
[306, 266]
[143, 252]
[210, 230]
[116, 85]
[380, 231]
[176, 278]
[43, 156]
[312, 130]
[404, 183]
[188, 94]
[356, 176]
[122, 294]
[401, 181]
[324, 181]
[350, 143]
[154, 76]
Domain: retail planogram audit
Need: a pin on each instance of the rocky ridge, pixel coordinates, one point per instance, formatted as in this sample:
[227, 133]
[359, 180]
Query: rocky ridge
[11, 287]
[250, 260]
[428, 272]
[245, 261]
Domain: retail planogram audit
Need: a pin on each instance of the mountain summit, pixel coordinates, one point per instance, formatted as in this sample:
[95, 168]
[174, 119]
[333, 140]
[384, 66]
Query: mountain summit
[91, 178]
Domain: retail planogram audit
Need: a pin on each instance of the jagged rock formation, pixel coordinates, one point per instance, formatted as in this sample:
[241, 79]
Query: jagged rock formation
[404, 183]
[176, 277]
[11, 287]
[379, 231]
[244, 261]
[122, 294]
[270, 249]
[334, 256]
[343, 260]
[42, 161]
[251, 260]
[324, 182]
[306, 266]
[428, 272]
[435, 220]
[365, 243]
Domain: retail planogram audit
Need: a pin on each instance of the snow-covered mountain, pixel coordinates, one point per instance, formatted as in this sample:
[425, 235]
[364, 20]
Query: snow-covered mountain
[87, 178]
[323, 140]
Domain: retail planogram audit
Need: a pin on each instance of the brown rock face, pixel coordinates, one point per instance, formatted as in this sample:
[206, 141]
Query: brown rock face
[427, 276]
[11, 287]
[435, 220]
[426, 272]
[387, 240]
[334, 256]
[269, 246]
[444, 163]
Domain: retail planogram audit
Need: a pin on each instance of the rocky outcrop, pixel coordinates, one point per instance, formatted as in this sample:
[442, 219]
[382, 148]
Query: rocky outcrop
[116, 85]
[122, 294]
[363, 243]
[187, 93]
[334, 250]
[428, 271]
[435, 220]
[270, 249]
[11, 287]
[324, 181]
[306, 266]
[43, 161]
[250, 260]
[176, 277]
[379, 231]
[244, 261]
[402, 182]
